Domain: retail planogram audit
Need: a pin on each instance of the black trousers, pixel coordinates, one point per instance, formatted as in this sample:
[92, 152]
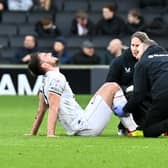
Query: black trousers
[156, 121]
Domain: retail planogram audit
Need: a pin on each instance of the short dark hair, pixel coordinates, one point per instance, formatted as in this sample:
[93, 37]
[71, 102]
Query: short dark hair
[34, 65]
[135, 13]
[111, 7]
[82, 14]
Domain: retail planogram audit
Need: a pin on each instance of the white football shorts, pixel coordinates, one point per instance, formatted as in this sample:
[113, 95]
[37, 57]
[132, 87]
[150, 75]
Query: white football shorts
[97, 115]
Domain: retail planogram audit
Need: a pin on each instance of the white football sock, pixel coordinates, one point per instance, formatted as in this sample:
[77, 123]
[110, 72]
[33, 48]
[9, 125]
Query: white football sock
[120, 100]
[129, 122]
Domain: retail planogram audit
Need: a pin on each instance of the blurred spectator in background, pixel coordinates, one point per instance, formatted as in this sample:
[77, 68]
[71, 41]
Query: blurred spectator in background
[157, 27]
[114, 49]
[135, 21]
[60, 50]
[45, 6]
[81, 25]
[3, 7]
[46, 28]
[110, 24]
[20, 5]
[152, 4]
[86, 55]
[29, 46]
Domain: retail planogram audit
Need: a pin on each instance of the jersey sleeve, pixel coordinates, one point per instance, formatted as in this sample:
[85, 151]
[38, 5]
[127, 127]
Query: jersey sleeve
[57, 86]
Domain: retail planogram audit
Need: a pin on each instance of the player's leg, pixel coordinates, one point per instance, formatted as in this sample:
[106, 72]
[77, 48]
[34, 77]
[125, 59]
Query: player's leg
[116, 98]
[98, 112]
[99, 109]
[107, 91]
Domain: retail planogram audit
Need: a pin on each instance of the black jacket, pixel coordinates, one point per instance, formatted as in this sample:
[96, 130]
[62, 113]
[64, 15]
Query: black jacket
[114, 27]
[82, 58]
[132, 28]
[54, 31]
[150, 77]
[90, 27]
[21, 52]
[122, 69]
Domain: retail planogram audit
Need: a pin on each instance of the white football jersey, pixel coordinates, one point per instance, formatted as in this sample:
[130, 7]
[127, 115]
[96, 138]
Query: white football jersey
[69, 110]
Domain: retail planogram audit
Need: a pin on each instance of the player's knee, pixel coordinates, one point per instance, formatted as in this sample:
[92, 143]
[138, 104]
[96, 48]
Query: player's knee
[112, 86]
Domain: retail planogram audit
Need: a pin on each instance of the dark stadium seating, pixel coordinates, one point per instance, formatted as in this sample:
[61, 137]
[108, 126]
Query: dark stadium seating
[8, 54]
[4, 43]
[16, 41]
[101, 41]
[34, 17]
[97, 5]
[59, 5]
[45, 42]
[63, 21]
[8, 29]
[75, 41]
[95, 16]
[155, 6]
[161, 41]
[72, 51]
[165, 18]
[148, 17]
[15, 25]
[14, 17]
[126, 5]
[26, 29]
[126, 40]
[100, 52]
[74, 5]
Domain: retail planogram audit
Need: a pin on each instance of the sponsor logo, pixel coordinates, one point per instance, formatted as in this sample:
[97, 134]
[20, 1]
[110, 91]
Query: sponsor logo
[127, 70]
[7, 86]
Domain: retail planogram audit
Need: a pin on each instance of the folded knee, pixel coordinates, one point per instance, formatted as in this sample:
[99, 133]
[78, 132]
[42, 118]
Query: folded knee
[113, 86]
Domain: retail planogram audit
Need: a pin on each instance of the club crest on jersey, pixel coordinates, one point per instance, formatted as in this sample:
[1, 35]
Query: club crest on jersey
[127, 70]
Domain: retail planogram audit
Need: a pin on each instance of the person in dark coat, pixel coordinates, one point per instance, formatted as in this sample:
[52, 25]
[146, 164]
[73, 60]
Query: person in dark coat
[46, 28]
[135, 21]
[22, 55]
[60, 50]
[81, 25]
[150, 82]
[110, 24]
[122, 70]
[86, 55]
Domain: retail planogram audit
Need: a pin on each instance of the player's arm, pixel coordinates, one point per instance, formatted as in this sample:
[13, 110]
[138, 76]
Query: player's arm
[54, 103]
[40, 114]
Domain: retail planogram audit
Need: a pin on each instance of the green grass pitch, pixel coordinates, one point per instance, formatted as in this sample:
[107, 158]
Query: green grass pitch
[106, 151]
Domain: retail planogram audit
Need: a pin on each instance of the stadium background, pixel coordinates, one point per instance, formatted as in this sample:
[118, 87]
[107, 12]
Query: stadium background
[15, 25]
